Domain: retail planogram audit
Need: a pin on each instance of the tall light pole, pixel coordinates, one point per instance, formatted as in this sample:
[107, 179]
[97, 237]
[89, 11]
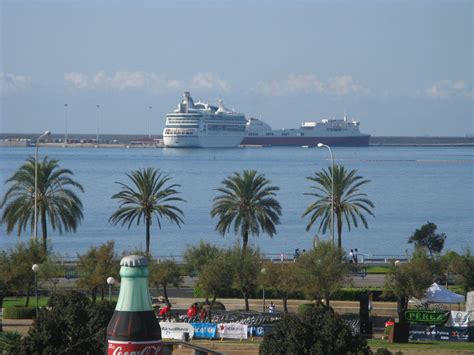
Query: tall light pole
[110, 282]
[35, 225]
[97, 126]
[263, 271]
[35, 269]
[149, 122]
[65, 132]
[321, 145]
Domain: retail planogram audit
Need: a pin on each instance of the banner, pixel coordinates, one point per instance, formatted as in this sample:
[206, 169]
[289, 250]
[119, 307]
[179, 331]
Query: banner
[232, 330]
[434, 332]
[458, 319]
[260, 331]
[204, 330]
[171, 330]
[427, 317]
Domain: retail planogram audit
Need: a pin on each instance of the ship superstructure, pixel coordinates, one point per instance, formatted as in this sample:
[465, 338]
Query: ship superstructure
[201, 125]
[336, 132]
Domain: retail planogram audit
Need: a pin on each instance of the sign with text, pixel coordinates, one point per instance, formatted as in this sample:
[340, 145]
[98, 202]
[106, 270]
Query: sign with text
[173, 330]
[427, 317]
[232, 330]
[204, 330]
[435, 332]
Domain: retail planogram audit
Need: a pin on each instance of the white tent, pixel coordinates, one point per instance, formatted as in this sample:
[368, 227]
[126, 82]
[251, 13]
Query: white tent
[439, 294]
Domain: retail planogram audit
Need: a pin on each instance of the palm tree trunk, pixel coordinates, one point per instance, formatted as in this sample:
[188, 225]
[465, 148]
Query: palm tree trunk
[148, 235]
[245, 240]
[339, 229]
[246, 299]
[44, 230]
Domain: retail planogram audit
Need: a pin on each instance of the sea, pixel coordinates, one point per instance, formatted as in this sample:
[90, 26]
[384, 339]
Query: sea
[408, 185]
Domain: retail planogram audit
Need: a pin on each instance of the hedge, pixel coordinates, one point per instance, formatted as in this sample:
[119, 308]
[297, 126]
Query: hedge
[19, 313]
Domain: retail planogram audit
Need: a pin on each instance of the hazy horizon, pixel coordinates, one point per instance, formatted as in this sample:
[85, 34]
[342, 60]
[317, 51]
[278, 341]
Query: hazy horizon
[401, 68]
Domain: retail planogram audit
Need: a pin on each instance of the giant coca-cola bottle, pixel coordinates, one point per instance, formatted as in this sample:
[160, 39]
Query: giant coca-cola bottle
[134, 328]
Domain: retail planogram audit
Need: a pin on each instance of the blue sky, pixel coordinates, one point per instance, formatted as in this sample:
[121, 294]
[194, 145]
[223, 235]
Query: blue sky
[401, 68]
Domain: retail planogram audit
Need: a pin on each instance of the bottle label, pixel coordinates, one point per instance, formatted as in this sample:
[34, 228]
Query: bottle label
[135, 348]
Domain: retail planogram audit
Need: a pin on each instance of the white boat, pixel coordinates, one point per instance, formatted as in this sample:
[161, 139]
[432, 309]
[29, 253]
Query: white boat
[201, 125]
[337, 132]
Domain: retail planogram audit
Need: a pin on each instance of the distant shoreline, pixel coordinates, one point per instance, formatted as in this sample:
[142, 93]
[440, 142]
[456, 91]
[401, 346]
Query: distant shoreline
[156, 141]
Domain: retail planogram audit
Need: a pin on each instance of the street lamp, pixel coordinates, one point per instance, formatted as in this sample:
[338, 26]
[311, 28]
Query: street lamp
[149, 122]
[321, 145]
[35, 225]
[263, 271]
[35, 269]
[97, 126]
[110, 282]
[65, 116]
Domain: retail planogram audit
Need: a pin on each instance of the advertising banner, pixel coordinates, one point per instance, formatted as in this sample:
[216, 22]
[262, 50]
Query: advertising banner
[427, 317]
[433, 332]
[458, 319]
[232, 330]
[204, 330]
[260, 331]
[175, 330]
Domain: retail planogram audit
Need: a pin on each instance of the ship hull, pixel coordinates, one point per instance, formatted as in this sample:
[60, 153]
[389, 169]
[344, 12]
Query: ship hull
[203, 141]
[348, 141]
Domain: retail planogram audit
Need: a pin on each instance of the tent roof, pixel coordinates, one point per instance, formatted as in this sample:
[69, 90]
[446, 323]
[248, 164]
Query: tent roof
[439, 294]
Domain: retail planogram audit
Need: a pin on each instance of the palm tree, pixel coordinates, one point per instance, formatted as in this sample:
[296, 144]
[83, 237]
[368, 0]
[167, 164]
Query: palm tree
[57, 204]
[247, 202]
[349, 203]
[147, 198]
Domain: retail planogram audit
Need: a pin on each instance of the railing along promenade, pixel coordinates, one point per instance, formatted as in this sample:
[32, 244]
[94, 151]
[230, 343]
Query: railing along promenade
[366, 260]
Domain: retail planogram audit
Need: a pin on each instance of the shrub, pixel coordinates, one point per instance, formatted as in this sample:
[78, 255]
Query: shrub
[305, 307]
[19, 313]
[318, 331]
[72, 324]
[9, 342]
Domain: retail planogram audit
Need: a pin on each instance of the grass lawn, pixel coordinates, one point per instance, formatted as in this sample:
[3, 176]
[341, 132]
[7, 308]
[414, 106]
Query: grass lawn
[20, 301]
[422, 345]
[42, 301]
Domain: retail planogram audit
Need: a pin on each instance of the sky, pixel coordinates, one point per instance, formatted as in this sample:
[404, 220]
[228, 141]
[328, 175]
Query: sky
[402, 68]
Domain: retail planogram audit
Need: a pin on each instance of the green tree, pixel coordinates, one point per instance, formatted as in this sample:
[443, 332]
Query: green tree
[165, 273]
[17, 275]
[197, 257]
[51, 271]
[246, 265]
[95, 266]
[350, 203]
[463, 266]
[427, 238]
[57, 203]
[148, 197]
[319, 331]
[409, 279]
[216, 277]
[247, 204]
[284, 278]
[322, 271]
[71, 324]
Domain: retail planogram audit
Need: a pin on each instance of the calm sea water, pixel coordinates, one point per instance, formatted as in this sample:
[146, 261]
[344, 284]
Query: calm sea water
[409, 186]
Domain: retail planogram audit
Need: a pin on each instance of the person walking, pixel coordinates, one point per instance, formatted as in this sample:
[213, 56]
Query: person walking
[351, 256]
[355, 256]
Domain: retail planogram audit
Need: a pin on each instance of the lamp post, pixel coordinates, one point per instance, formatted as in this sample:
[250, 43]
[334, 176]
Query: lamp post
[65, 117]
[110, 282]
[35, 223]
[321, 145]
[263, 271]
[97, 126]
[35, 269]
[149, 122]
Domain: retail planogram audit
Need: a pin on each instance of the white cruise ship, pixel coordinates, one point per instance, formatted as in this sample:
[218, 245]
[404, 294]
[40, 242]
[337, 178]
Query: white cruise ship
[201, 125]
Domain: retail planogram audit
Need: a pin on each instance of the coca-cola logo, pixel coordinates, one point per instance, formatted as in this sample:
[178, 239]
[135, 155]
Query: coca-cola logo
[147, 350]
